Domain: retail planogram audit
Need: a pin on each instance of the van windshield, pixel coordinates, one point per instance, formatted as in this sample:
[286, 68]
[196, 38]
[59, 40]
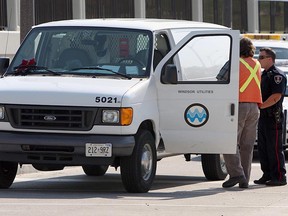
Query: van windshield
[80, 51]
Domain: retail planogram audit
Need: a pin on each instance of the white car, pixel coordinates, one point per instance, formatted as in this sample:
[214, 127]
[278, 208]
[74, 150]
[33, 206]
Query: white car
[281, 49]
[279, 46]
[285, 107]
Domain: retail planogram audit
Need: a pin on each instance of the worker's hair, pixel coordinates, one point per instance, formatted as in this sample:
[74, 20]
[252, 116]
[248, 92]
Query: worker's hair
[247, 49]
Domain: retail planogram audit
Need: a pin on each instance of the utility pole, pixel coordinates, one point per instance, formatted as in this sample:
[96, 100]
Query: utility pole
[26, 17]
[227, 13]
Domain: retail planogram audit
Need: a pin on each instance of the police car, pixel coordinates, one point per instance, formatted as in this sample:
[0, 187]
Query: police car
[285, 107]
[280, 47]
[279, 43]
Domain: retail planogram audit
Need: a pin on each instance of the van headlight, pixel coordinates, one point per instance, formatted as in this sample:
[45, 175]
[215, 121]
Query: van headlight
[2, 112]
[110, 116]
[122, 116]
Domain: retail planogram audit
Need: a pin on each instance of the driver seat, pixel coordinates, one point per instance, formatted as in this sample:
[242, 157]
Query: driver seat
[73, 58]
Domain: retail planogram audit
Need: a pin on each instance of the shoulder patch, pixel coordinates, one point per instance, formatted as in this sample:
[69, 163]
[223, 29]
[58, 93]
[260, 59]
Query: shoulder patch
[278, 79]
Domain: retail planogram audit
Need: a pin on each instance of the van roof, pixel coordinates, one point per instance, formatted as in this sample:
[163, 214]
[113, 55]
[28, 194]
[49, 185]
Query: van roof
[134, 23]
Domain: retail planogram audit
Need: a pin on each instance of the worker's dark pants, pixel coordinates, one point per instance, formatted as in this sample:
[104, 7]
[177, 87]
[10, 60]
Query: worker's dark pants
[270, 148]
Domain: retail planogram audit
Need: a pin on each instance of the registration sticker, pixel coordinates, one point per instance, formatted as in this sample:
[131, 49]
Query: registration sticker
[98, 150]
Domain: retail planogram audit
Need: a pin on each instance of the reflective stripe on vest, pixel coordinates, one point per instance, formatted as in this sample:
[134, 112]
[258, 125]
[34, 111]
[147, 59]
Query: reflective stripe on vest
[253, 75]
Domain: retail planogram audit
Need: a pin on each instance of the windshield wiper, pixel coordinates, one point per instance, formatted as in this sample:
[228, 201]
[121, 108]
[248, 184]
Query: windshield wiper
[103, 69]
[27, 69]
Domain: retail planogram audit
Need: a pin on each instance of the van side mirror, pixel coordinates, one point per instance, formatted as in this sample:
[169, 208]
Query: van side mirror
[4, 63]
[169, 75]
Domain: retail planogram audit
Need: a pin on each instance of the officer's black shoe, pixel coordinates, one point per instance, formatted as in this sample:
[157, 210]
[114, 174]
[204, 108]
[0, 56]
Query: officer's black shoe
[262, 180]
[235, 180]
[276, 183]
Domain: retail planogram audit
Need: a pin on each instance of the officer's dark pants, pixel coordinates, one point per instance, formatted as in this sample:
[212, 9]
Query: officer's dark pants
[270, 148]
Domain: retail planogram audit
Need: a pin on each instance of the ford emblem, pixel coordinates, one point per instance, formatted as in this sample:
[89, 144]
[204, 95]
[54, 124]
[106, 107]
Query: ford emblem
[49, 118]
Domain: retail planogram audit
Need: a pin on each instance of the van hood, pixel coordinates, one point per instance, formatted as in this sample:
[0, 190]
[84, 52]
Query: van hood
[66, 91]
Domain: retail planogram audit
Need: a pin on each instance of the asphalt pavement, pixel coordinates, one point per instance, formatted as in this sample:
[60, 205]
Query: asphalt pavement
[180, 188]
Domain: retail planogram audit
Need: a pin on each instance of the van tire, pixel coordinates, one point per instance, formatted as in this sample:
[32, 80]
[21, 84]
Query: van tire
[138, 170]
[95, 170]
[8, 171]
[213, 166]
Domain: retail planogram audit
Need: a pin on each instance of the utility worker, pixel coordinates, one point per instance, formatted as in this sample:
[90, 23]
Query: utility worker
[239, 165]
[270, 126]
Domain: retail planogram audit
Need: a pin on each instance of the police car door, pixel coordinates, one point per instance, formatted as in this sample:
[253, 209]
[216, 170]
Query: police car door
[198, 112]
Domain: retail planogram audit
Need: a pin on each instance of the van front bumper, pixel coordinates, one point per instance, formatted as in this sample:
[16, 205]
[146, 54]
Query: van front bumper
[65, 149]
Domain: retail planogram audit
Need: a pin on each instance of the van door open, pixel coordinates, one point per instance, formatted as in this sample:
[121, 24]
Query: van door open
[199, 108]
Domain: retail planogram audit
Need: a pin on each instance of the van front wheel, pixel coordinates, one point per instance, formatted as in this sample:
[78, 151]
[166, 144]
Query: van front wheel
[138, 170]
[8, 171]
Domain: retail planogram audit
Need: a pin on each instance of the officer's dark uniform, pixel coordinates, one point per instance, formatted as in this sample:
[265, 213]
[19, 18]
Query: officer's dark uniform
[270, 127]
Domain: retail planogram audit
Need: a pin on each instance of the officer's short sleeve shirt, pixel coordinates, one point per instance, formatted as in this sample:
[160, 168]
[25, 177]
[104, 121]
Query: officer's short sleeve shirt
[273, 81]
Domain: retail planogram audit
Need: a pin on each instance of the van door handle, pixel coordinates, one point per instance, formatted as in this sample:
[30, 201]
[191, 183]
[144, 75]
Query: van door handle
[232, 109]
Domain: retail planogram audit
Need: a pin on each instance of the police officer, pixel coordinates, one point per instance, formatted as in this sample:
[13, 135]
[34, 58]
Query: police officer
[270, 126]
[239, 165]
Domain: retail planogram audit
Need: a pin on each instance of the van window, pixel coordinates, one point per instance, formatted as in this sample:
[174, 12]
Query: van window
[161, 48]
[84, 50]
[204, 57]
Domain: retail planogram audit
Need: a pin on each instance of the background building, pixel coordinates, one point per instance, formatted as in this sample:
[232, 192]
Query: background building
[253, 16]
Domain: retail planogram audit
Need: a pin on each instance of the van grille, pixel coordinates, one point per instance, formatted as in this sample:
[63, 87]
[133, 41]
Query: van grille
[51, 118]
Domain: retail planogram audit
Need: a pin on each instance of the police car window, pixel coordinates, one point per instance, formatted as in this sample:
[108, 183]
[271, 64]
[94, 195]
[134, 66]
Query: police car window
[206, 59]
[281, 53]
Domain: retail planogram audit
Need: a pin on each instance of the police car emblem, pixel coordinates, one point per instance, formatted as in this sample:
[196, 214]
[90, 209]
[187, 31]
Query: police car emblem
[278, 79]
[196, 115]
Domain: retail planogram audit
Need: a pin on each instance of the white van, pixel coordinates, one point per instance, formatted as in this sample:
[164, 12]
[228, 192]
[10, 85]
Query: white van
[119, 92]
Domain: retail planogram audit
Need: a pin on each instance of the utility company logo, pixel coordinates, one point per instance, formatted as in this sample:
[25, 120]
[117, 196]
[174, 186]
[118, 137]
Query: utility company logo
[196, 115]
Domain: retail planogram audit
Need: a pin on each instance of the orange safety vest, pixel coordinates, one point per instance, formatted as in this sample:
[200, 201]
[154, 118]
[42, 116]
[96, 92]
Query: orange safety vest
[250, 81]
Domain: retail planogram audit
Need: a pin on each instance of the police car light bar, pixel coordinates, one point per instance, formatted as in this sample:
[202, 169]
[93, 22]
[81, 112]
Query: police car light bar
[266, 36]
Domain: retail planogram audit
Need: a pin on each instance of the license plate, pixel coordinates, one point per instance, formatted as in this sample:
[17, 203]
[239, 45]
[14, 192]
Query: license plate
[98, 150]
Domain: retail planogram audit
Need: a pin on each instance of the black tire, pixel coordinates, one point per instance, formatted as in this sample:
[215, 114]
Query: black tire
[138, 170]
[95, 170]
[213, 166]
[8, 171]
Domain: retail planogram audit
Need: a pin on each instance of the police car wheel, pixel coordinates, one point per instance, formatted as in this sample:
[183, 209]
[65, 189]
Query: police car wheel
[213, 166]
[8, 171]
[138, 170]
[95, 170]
